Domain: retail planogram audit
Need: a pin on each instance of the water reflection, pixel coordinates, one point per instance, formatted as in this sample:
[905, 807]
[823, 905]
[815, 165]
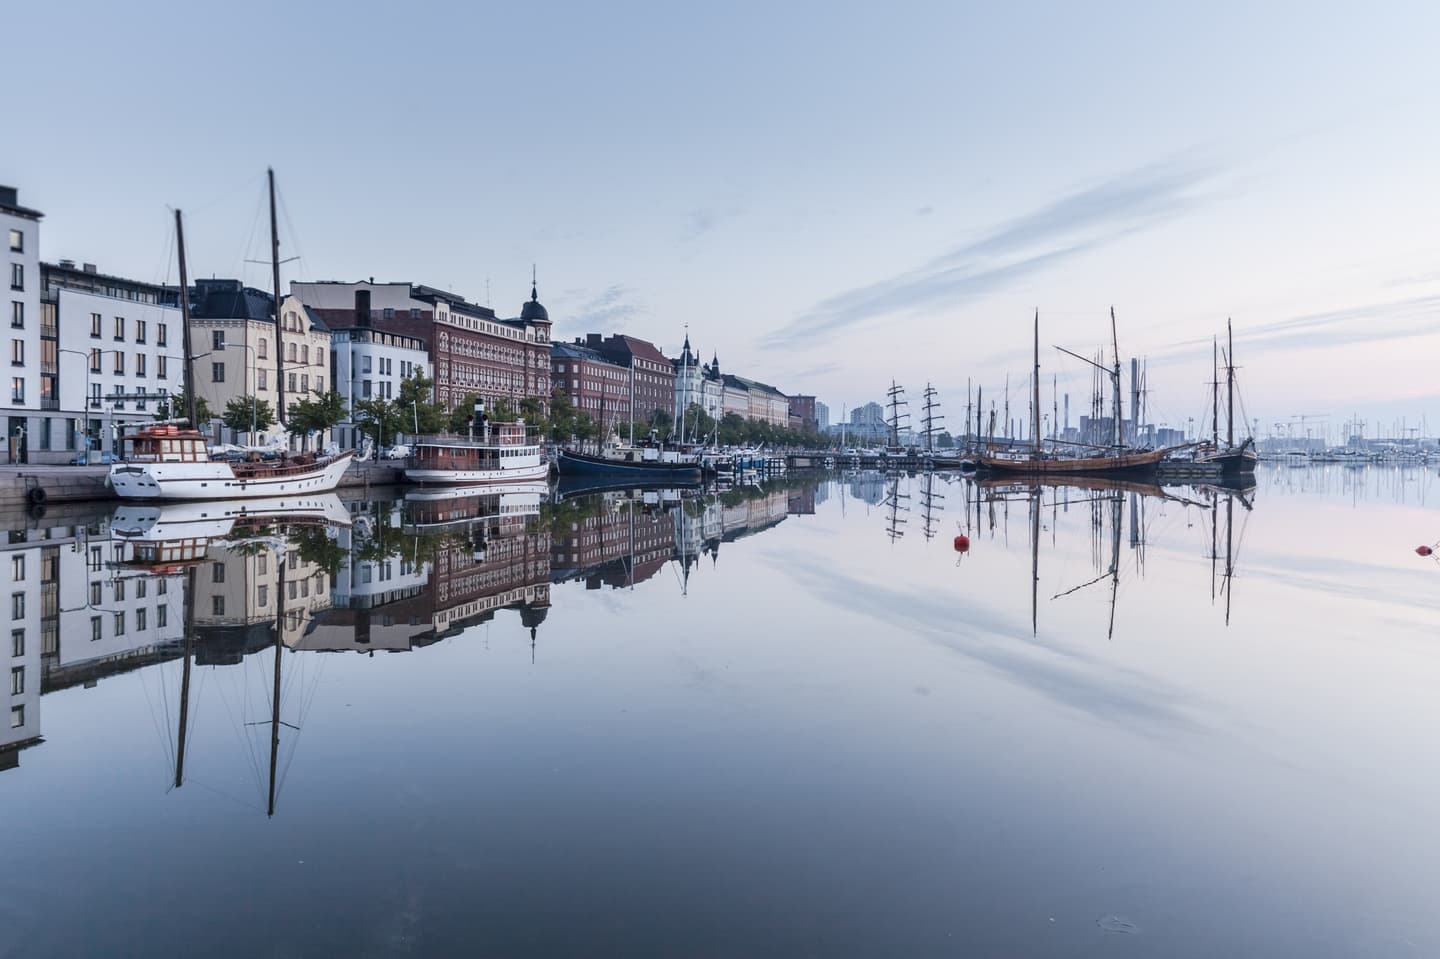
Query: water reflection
[240, 585]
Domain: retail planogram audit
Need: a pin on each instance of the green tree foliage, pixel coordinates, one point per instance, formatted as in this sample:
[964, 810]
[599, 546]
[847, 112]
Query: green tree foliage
[315, 414]
[175, 409]
[245, 414]
[381, 420]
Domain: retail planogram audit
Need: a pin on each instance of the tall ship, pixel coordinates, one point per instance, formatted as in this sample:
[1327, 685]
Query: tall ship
[164, 462]
[501, 454]
[1234, 461]
[1116, 460]
[169, 463]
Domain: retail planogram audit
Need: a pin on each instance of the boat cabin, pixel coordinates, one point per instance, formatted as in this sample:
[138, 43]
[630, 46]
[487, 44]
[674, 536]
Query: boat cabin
[166, 444]
[497, 448]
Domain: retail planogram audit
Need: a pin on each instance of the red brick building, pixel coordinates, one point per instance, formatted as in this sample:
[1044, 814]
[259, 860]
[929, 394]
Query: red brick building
[472, 351]
[654, 373]
[596, 384]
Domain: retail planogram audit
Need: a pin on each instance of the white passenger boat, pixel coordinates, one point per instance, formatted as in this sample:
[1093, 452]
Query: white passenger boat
[168, 463]
[501, 454]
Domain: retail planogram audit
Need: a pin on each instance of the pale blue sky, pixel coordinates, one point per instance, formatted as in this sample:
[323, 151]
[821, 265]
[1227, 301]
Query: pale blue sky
[830, 195]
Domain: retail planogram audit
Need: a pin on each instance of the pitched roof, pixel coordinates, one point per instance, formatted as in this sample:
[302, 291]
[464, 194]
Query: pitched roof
[229, 300]
[641, 349]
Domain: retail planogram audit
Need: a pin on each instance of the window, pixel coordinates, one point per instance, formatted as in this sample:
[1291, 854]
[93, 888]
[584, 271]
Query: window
[95, 405]
[305, 355]
[160, 335]
[160, 366]
[94, 361]
[17, 276]
[17, 568]
[263, 351]
[17, 605]
[388, 313]
[264, 564]
[290, 352]
[217, 340]
[139, 331]
[160, 612]
[17, 314]
[120, 623]
[17, 681]
[217, 573]
[365, 364]
[17, 352]
[120, 328]
[17, 241]
[140, 618]
[141, 588]
[17, 389]
[95, 325]
[139, 364]
[17, 716]
[263, 381]
[119, 591]
[17, 642]
[161, 587]
[95, 630]
[365, 389]
[414, 313]
[217, 372]
[290, 382]
[320, 384]
[119, 362]
[262, 596]
[217, 605]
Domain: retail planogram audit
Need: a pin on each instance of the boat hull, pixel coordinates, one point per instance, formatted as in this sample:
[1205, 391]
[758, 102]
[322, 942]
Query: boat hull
[519, 474]
[583, 464]
[1237, 462]
[1127, 464]
[215, 480]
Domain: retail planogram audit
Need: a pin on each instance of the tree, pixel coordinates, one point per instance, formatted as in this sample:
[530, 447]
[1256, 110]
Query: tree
[378, 419]
[415, 392]
[175, 409]
[315, 415]
[245, 414]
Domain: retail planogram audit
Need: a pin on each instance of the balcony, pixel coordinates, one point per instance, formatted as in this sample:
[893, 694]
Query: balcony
[49, 403]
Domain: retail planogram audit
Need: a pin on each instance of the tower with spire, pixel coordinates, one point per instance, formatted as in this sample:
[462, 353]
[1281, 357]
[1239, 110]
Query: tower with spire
[534, 314]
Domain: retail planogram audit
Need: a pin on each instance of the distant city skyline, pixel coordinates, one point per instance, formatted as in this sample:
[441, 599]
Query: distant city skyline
[892, 196]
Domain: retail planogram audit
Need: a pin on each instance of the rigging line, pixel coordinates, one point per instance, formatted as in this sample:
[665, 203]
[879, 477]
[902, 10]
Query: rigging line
[242, 185]
[238, 728]
[161, 733]
[290, 227]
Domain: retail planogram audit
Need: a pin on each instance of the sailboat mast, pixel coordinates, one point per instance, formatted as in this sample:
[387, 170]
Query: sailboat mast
[1119, 412]
[1229, 384]
[275, 277]
[1214, 394]
[1035, 382]
[184, 327]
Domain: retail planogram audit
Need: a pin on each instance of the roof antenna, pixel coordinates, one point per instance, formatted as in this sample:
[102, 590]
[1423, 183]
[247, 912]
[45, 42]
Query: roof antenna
[534, 289]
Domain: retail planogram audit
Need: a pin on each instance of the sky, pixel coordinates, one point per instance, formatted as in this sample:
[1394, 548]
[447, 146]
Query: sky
[827, 196]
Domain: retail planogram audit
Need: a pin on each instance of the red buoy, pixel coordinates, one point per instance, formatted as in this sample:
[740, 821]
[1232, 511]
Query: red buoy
[962, 544]
[1421, 550]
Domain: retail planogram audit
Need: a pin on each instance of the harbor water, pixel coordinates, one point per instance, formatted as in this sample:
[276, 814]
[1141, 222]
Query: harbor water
[795, 718]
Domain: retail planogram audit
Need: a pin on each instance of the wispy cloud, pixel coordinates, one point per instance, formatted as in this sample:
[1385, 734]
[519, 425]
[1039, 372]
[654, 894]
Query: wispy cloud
[703, 220]
[605, 311]
[1065, 228]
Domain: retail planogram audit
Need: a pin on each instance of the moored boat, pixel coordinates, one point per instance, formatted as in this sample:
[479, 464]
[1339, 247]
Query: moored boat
[501, 454]
[615, 459]
[169, 463]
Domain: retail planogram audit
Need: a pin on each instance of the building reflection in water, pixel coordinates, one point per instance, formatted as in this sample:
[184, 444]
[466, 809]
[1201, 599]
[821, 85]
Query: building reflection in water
[97, 596]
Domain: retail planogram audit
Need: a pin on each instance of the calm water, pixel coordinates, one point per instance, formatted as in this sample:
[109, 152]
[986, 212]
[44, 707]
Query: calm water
[790, 721]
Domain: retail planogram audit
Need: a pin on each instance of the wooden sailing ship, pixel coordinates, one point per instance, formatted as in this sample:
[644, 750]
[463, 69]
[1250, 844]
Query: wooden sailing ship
[1116, 460]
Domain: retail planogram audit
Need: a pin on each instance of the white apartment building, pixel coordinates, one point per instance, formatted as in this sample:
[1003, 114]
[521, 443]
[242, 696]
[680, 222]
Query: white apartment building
[371, 364]
[20, 236]
[111, 354]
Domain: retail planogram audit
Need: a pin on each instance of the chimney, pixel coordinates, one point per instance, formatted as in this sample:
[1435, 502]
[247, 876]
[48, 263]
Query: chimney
[593, 340]
[88, 267]
[67, 264]
[9, 196]
[362, 308]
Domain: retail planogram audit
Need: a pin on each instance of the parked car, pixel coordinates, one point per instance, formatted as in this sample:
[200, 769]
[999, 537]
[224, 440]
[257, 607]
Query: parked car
[101, 459]
[397, 452]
